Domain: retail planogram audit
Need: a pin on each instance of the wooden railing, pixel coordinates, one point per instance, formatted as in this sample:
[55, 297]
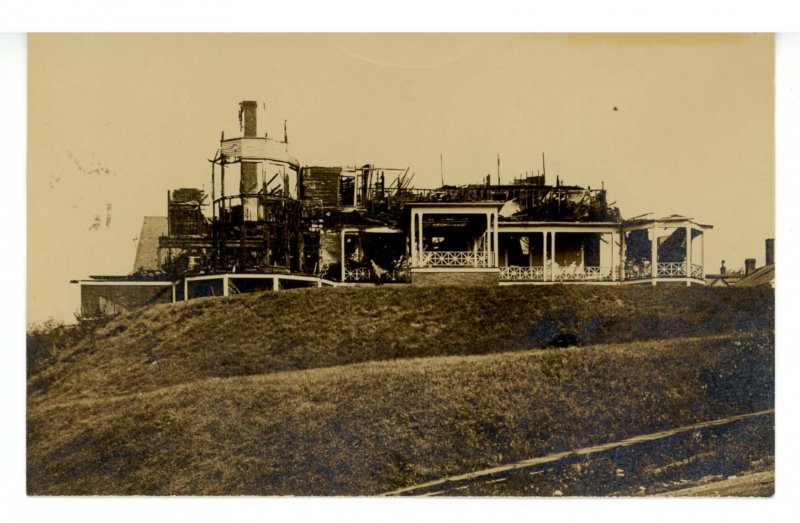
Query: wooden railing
[582, 273]
[454, 259]
[365, 274]
[638, 271]
[521, 273]
[671, 270]
[357, 274]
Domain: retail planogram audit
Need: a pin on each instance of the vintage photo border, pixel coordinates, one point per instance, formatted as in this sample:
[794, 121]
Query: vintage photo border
[12, 383]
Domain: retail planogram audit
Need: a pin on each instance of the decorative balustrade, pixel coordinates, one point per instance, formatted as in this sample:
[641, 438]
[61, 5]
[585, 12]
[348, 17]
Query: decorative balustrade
[581, 273]
[521, 274]
[568, 273]
[641, 271]
[357, 274]
[454, 259]
[365, 274]
[671, 270]
[637, 271]
[397, 276]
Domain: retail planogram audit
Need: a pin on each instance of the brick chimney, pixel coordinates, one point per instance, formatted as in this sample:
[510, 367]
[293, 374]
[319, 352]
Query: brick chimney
[249, 180]
[770, 252]
[249, 116]
[749, 265]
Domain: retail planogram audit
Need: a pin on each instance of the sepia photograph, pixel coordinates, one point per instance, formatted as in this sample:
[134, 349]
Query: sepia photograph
[393, 264]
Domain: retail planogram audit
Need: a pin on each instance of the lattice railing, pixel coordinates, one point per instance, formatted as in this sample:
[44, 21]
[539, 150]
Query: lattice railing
[521, 273]
[454, 259]
[697, 271]
[579, 273]
[357, 274]
[398, 276]
[671, 270]
[365, 274]
[637, 271]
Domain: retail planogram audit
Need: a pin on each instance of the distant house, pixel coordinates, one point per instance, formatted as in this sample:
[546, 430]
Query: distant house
[759, 277]
[763, 275]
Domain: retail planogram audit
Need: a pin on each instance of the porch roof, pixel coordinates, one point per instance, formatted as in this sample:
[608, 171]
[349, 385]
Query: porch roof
[537, 224]
[445, 205]
[674, 218]
[526, 226]
[479, 207]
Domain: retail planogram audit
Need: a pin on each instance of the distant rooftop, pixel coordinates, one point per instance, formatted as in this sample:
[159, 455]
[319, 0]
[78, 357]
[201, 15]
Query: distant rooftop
[147, 247]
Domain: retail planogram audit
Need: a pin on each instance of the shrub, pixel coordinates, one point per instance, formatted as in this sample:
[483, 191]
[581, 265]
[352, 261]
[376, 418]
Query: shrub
[46, 339]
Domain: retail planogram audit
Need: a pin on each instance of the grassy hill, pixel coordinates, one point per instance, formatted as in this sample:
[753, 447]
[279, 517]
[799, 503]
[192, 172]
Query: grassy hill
[361, 391]
[267, 332]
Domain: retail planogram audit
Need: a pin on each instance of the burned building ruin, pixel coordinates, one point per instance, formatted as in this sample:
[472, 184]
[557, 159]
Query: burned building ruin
[291, 226]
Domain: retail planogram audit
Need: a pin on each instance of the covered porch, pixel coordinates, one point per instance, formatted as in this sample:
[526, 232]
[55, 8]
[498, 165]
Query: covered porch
[540, 252]
[454, 243]
[664, 250]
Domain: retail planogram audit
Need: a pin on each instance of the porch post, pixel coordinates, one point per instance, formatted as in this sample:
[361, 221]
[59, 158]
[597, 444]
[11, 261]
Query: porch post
[703, 252]
[613, 255]
[688, 254]
[413, 248]
[654, 254]
[342, 256]
[421, 244]
[185, 289]
[544, 255]
[622, 255]
[530, 251]
[487, 241]
[496, 241]
[225, 289]
[553, 255]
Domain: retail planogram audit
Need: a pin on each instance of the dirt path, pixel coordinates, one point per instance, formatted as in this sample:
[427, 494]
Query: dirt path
[476, 482]
[757, 484]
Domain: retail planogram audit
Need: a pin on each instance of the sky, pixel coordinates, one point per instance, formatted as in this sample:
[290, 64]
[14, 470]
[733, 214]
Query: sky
[115, 121]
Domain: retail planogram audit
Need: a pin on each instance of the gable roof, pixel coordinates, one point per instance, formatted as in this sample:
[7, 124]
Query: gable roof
[762, 276]
[147, 248]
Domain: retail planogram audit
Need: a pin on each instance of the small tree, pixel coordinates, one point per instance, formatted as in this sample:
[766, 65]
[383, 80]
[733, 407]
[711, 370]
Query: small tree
[45, 340]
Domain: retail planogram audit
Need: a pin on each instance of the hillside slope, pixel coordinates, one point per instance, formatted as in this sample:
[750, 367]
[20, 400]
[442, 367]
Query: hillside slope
[379, 426]
[261, 333]
[362, 391]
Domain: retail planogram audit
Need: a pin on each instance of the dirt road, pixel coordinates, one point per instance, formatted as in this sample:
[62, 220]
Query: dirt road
[669, 461]
[758, 484]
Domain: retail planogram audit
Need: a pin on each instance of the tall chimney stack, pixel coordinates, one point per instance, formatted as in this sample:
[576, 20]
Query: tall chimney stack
[249, 115]
[249, 180]
[770, 254]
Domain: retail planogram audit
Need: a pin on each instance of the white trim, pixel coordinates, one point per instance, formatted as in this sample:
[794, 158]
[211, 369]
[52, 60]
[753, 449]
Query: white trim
[130, 283]
[456, 269]
[259, 276]
[382, 230]
[452, 210]
[506, 283]
[662, 280]
[204, 278]
[516, 228]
